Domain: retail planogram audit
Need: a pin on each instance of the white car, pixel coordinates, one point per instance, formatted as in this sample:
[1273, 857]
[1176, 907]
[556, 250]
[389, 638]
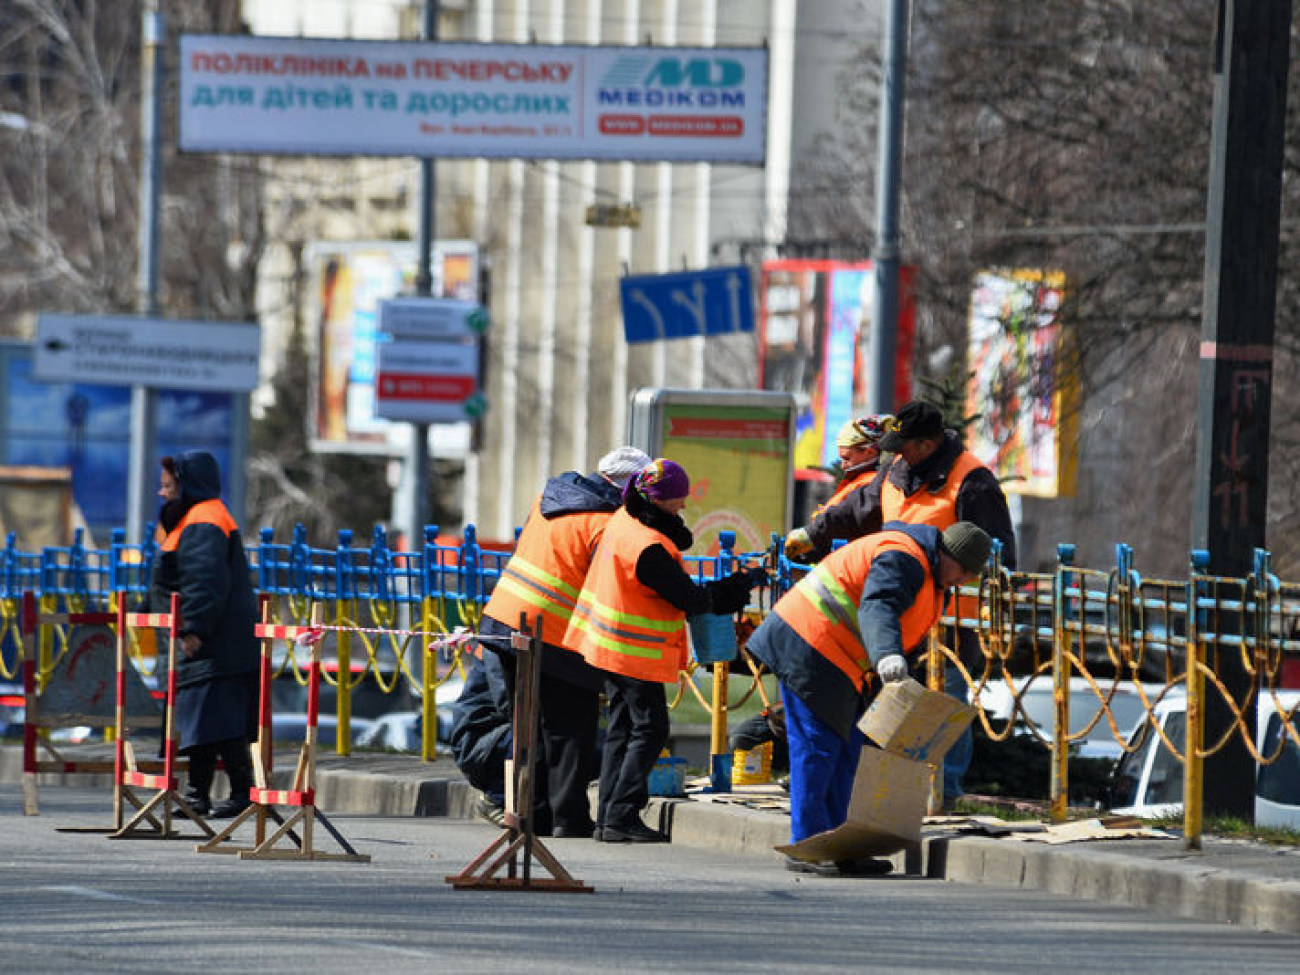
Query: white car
[1148, 781]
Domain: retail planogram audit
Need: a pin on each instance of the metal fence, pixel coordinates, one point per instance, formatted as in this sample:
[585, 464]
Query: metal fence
[1098, 636]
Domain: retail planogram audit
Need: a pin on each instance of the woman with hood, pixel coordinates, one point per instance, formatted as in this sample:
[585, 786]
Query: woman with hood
[202, 559]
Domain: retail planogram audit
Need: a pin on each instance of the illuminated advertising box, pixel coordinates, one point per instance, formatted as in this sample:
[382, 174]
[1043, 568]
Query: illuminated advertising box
[736, 445]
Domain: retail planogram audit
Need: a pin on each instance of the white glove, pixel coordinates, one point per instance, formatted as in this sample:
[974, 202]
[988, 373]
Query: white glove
[797, 543]
[892, 668]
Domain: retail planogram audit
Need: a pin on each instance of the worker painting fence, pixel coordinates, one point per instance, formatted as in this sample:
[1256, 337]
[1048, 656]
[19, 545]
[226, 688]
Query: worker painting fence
[1112, 632]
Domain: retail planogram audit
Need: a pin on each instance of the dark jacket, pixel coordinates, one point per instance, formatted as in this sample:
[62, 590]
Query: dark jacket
[570, 493]
[856, 515]
[892, 584]
[209, 569]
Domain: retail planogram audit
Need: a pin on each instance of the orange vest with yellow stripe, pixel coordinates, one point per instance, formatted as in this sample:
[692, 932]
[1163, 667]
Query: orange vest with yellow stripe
[211, 512]
[545, 573]
[847, 487]
[823, 607]
[923, 507]
[621, 625]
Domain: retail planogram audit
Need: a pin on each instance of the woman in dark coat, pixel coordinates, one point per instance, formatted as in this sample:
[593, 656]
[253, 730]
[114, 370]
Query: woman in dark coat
[202, 559]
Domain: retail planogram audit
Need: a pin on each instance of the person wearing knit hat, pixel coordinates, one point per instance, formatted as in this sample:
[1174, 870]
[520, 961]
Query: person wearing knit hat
[844, 628]
[541, 580]
[841, 516]
[630, 622]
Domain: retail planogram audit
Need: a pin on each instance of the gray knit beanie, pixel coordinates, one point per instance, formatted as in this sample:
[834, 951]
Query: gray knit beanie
[968, 544]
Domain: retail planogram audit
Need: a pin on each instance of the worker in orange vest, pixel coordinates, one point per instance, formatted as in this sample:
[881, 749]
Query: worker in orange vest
[934, 480]
[542, 579]
[630, 622]
[846, 514]
[854, 617]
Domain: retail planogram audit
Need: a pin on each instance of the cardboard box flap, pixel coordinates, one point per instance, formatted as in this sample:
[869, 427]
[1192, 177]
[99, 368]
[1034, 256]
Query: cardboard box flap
[885, 812]
[915, 722]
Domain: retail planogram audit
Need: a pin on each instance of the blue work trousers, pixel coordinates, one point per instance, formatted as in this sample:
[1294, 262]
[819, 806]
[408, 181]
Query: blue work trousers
[822, 768]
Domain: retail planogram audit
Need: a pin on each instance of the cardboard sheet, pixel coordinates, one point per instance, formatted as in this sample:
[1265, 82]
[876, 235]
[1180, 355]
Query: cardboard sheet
[915, 722]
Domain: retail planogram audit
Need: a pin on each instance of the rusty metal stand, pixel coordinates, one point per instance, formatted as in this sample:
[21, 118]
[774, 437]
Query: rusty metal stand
[517, 846]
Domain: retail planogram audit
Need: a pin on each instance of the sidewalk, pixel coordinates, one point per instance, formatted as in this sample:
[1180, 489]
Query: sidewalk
[1233, 882]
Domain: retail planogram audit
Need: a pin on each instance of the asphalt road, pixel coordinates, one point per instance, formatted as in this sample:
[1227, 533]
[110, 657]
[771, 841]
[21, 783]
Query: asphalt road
[79, 902]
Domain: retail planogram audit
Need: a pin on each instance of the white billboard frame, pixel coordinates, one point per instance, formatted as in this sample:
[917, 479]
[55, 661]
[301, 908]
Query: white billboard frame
[334, 97]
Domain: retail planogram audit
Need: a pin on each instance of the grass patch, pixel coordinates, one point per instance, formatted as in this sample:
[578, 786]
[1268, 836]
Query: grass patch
[740, 703]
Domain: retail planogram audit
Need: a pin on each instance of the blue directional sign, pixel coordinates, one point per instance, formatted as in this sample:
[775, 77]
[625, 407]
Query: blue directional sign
[715, 301]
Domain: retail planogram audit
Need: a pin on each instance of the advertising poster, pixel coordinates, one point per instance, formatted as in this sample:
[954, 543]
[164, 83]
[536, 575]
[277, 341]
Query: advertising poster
[816, 326]
[87, 428]
[1025, 408]
[306, 96]
[348, 282]
[736, 448]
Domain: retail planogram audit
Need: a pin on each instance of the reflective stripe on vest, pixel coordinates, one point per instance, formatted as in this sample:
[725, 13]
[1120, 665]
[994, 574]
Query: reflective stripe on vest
[211, 512]
[923, 507]
[619, 624]
[546, 570]
[823, 607]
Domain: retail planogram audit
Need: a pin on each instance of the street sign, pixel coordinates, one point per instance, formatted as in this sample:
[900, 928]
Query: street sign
[168, 353]
[428, 382]
[715, 301]
[432, 319]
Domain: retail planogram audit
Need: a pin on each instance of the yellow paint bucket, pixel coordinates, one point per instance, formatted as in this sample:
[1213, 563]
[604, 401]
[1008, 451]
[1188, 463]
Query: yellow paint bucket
[752, 766]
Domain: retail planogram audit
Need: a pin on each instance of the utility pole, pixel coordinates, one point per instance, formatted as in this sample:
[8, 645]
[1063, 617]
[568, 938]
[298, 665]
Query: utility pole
[411, 505]
[1236, 368]
[885, 256]
[144, 399]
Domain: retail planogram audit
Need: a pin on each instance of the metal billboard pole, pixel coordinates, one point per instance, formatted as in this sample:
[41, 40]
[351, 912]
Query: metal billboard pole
[144, 399]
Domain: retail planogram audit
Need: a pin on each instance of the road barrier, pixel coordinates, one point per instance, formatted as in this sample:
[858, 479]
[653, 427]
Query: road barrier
[388, 614]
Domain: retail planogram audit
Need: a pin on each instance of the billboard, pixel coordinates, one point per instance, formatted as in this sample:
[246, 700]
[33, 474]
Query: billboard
[348, 283]
[306, 96]
[1026, 409]
[815, 331]
[737, 448]
[86, 427]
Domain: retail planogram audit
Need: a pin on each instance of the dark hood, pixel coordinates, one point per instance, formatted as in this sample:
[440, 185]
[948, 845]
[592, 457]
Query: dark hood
[571, 492]
[927, 536]
[199, 476]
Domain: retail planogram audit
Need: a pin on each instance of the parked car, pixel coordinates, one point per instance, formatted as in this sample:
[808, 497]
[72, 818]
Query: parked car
[403, 731]
[291, 729]
[1148, 781]
[1037, 710]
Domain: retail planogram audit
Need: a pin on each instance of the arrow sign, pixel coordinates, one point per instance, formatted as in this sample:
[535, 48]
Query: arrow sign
[714, 301]
[126, 351]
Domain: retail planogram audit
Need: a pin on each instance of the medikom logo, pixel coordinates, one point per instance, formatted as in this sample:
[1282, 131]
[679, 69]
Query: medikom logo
[636, 70]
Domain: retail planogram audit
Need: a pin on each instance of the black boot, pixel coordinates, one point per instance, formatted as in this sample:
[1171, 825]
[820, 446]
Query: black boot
[202, 767]
[239, 769]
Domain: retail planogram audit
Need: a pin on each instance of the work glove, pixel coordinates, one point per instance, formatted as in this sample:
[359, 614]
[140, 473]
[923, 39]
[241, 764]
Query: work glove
[892, 668]
[757, 576]
[797, 543]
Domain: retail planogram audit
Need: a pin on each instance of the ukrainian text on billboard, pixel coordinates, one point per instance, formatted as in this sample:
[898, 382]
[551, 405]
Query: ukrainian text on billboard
[382, 98]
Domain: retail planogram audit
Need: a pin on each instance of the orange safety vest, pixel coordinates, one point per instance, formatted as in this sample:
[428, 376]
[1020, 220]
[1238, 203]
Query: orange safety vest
[823, 607]
[923, 507]
[546, 570]
[621, 625]
[211, 512]
[938, 509]
[847, 487]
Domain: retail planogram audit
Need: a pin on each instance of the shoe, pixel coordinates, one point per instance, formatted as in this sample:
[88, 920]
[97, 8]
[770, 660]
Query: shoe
[230, 808]
[199, 805]
[863, 867]
[633, 832]
[485, 808]
[573, 832]
[795, 865]
[598, 834]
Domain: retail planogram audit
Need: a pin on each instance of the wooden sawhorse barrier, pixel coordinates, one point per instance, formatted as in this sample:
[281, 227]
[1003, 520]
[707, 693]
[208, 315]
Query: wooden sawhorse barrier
[301, 795]
[517, 846]
[153, 817]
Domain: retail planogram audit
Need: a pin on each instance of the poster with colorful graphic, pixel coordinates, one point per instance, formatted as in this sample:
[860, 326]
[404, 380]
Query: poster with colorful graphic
[1024, 404]
[737, 448]
[815, 333]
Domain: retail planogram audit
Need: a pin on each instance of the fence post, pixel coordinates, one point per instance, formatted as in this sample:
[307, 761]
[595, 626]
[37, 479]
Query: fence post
[1194, 759]
[345, 597]
[1063, 584]
[429, 672]
[724, 565]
